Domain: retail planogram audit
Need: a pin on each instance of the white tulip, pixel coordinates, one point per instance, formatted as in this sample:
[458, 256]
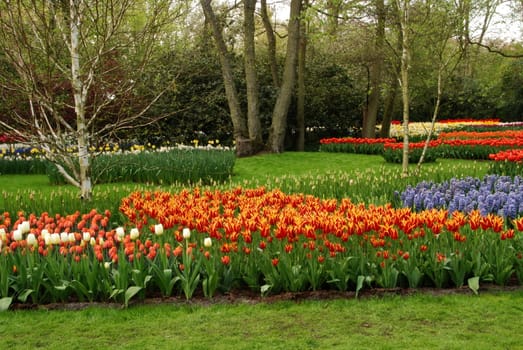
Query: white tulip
[207, 242]
[134, 233]
[92, 242]
[3, 234]
[86, 236]
[24, 227]
[64, 237]
[72, 238]
[31, 239]
[17, 235]
[107, 265]
[158, 229]
[186, 233]
[120, 233]
[47, 237]
[55, 238]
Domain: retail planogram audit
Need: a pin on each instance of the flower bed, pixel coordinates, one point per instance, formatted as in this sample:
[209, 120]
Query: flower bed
[269, 241]
[494, 194]
[508, 162]
[449, 144]
[393, 152]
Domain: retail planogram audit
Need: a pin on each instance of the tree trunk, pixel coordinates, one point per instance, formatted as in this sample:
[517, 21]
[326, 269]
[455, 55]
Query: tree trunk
[369, 122]
[300, 108]
[240, 130]
[251, 80]
[403, 8]
[271, 43]
[388, 108]
[80, 96]
[281, 108]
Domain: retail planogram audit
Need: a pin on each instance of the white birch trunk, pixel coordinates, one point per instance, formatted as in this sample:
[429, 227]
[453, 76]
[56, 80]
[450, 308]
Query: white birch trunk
[80, 94]
[403, 7]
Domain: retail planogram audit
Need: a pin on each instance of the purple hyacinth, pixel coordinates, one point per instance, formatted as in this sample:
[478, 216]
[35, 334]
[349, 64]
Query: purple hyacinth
[494, 194]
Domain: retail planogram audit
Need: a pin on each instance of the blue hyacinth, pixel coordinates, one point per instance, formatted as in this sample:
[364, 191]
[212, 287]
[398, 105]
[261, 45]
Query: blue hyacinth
[501, 195]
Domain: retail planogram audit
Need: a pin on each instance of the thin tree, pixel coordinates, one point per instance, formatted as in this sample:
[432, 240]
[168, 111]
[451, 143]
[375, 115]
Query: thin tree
[403, 7]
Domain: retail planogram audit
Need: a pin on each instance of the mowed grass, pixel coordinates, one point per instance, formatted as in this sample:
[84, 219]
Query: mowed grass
[488, 321]
[422, 321]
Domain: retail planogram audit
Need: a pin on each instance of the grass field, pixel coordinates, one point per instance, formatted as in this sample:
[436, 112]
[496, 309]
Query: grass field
[491, 320]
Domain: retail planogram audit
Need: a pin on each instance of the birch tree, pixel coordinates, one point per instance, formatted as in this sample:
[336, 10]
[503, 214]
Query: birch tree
[403, 7]
[73, 61]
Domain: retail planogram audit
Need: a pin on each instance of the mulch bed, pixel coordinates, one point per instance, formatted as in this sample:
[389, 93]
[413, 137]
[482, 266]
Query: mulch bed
[251, 297]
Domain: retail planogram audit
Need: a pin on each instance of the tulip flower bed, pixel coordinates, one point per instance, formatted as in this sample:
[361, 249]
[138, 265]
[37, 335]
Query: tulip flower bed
[494, 194]
[449, 144]
[420, 129]
[210, 242]
[393, 152]
[509, 162]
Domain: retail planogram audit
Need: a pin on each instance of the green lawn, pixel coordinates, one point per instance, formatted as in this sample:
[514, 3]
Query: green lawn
[489, 321]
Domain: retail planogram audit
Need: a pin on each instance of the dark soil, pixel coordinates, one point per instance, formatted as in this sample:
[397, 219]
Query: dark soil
[251, 297]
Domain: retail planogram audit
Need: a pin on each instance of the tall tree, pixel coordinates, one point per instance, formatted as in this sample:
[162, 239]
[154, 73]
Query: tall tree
[376, 67]
[251, 80]
[283, 101]
[300, 90]
[271, 43]
[76, 61]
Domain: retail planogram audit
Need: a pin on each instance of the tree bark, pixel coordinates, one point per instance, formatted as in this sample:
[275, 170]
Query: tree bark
[281, 108]
[240, 130]
[388, 108]
[369, 122]
[300, 103]
[80, 96]
[251, 80]
[271, 43]
[403, 7]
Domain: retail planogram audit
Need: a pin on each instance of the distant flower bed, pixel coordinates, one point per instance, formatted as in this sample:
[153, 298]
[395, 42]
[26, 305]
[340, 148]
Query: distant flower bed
[448, 144]
[420, 129]
[512, 155]
[393, 152]
[508, 162]
[494, 194]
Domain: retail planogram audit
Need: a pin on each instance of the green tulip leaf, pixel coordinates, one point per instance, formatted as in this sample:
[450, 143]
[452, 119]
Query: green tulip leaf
[5, 303]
